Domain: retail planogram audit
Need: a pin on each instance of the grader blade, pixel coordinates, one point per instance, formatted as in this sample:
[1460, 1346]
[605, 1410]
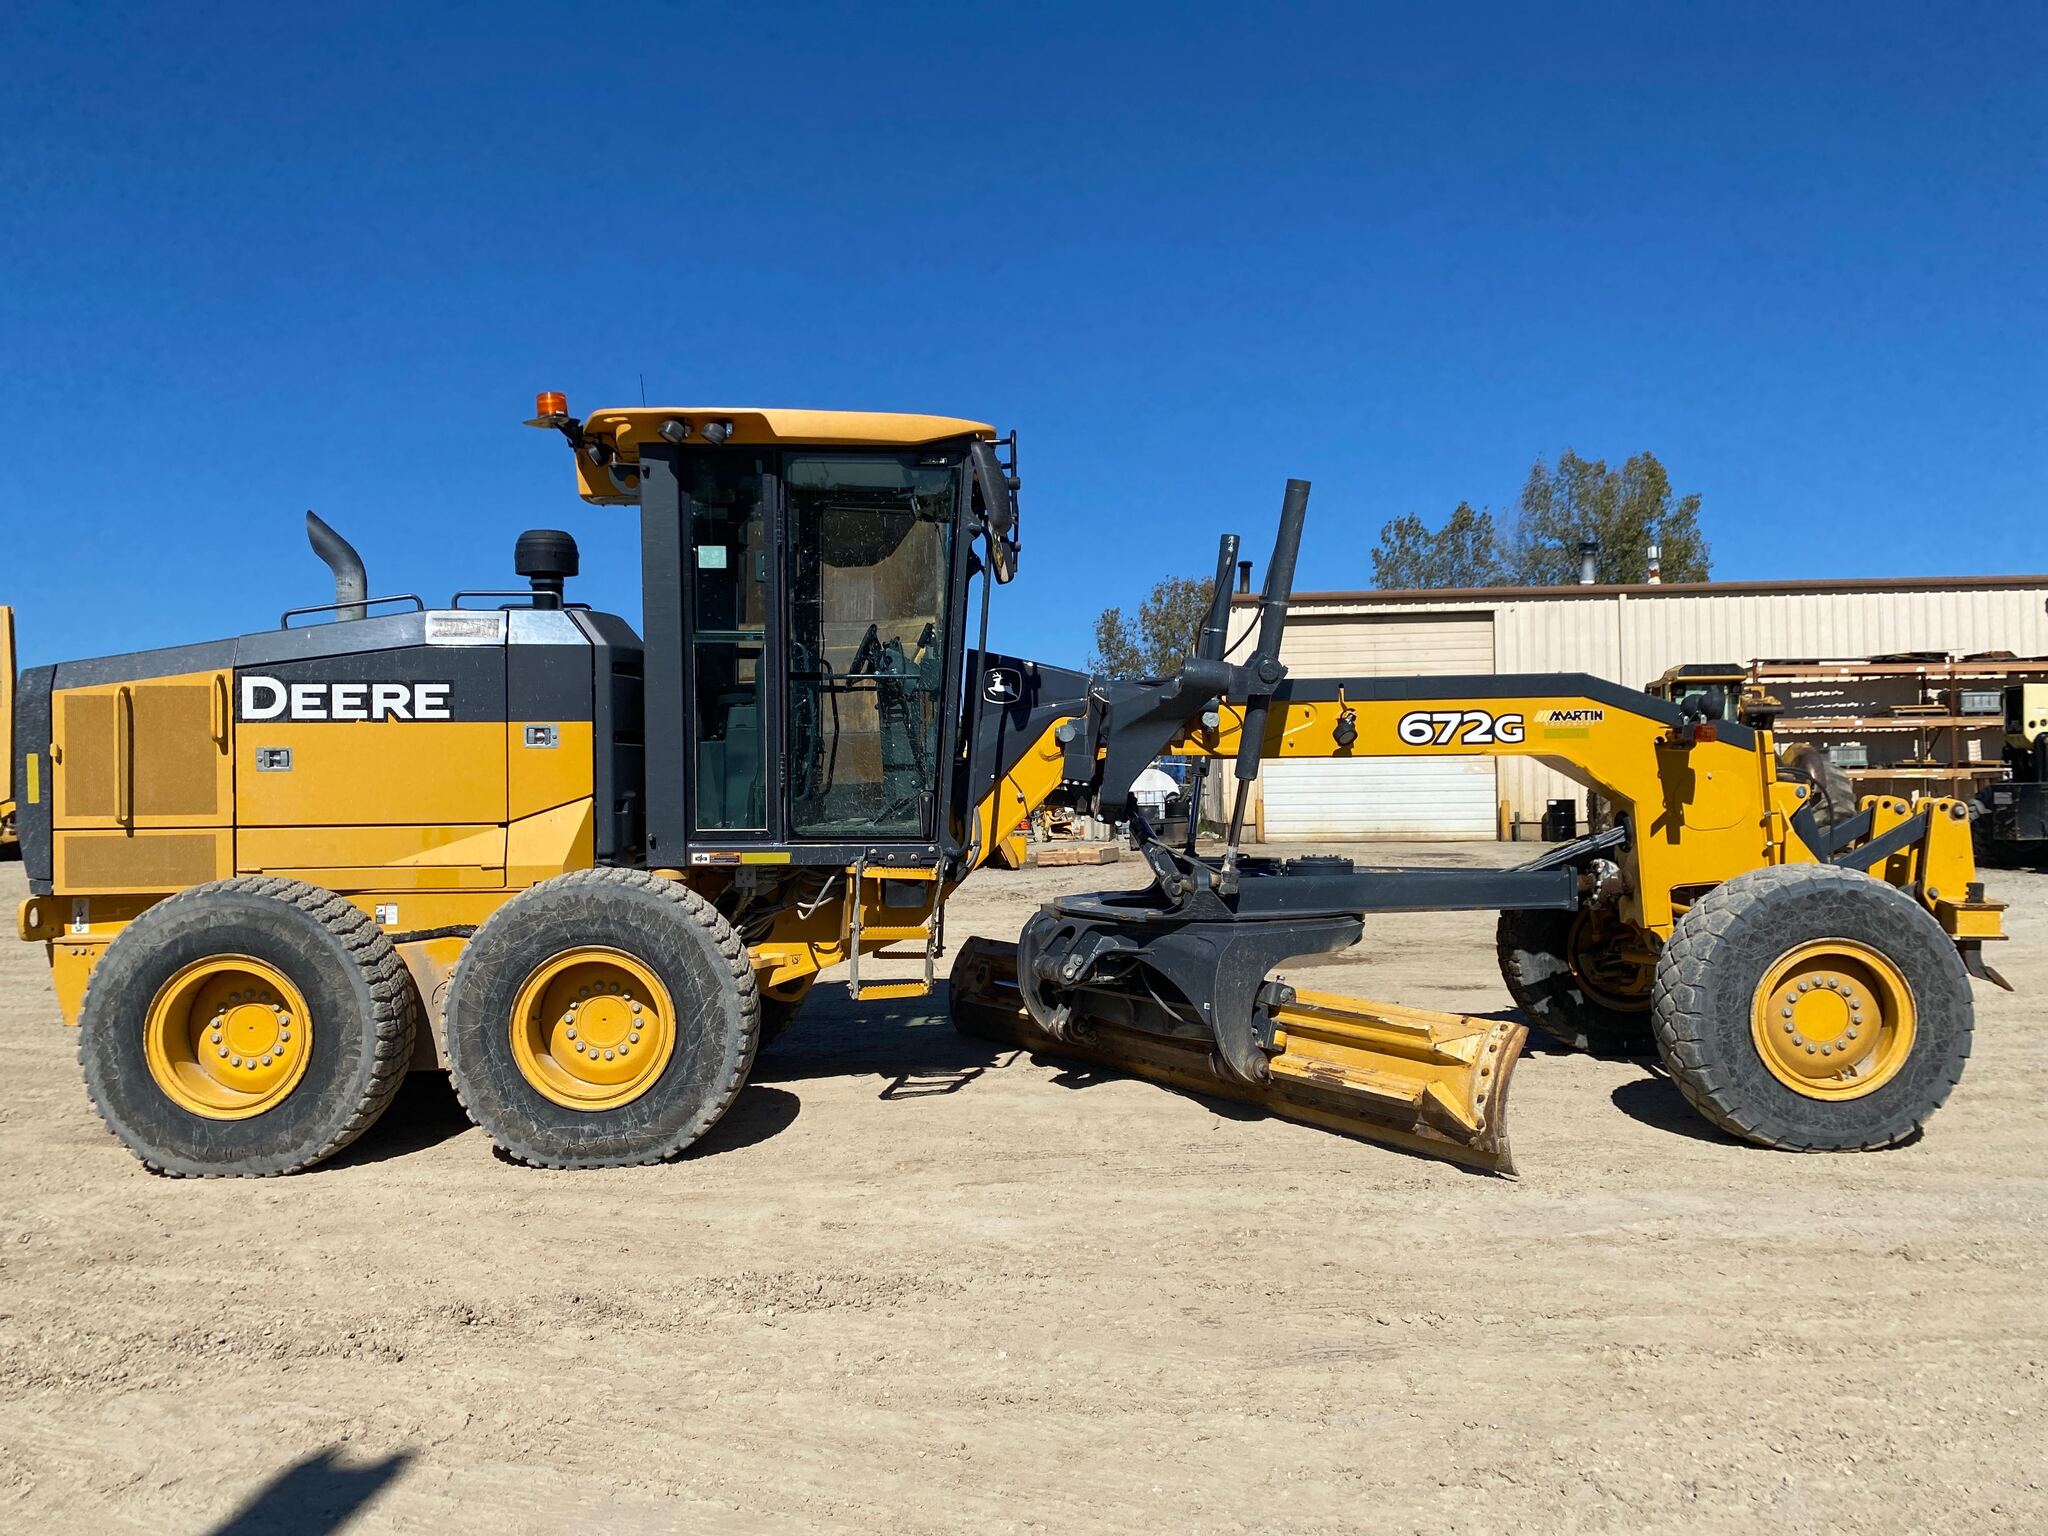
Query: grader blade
[1432, 1083]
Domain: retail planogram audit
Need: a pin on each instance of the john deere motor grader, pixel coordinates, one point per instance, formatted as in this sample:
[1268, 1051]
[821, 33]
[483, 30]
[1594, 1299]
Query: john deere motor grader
[588, 871]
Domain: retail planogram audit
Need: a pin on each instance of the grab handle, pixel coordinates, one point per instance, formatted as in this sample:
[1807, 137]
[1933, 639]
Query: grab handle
[220, 710]
[124, 756]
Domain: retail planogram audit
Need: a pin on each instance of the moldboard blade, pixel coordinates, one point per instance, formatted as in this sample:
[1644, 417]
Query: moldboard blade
[1432, 1083]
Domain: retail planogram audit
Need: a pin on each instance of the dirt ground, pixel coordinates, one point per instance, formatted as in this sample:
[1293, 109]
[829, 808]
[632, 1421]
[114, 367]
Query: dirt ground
[914, 1283]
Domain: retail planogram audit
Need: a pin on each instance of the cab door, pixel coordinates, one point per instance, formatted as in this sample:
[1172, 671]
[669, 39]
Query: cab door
[869, 545]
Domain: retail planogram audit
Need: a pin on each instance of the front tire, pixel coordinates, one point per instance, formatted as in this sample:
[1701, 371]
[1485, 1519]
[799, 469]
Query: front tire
[1812, 1008]
[601, 1019]
[246, 1028]
[1550, 972]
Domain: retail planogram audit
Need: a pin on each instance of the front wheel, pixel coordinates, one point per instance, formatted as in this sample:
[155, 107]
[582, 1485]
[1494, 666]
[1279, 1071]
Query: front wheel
[1812, 1008]
[1582, 977]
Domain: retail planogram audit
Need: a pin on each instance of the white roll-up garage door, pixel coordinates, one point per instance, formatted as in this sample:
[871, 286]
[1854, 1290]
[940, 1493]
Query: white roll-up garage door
[1419, 797]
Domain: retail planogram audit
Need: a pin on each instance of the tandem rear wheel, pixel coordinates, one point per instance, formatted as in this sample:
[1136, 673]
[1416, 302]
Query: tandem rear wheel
[601, 1019]
[246, 1028]
[1812, 1008]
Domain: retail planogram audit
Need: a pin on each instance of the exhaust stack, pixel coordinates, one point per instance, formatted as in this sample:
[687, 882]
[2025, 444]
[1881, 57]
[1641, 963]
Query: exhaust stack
[351, 581]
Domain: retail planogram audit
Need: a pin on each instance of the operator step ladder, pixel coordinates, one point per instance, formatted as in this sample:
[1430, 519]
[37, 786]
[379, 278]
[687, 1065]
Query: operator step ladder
[885, 888]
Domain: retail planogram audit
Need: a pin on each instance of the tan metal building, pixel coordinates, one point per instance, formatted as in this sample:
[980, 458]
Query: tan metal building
[1629, 634]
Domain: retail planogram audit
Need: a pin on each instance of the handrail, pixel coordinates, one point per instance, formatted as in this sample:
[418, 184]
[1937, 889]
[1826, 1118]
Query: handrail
[419, 605]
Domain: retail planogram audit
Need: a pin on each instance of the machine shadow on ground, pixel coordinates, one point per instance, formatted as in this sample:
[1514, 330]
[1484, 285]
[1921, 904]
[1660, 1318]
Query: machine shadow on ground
[424, 1114]
[912, 1051]
[312, 1497]
[910, 1044]
[912, 1047]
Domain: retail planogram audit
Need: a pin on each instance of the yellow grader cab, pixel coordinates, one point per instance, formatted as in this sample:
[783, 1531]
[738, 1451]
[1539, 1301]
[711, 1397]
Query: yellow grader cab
[588, 871]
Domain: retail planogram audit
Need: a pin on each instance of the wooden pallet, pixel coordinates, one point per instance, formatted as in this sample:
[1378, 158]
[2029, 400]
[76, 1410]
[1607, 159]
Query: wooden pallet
[1075, 853]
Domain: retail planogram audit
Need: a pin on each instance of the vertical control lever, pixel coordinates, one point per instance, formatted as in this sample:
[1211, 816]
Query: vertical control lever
[1264, 666]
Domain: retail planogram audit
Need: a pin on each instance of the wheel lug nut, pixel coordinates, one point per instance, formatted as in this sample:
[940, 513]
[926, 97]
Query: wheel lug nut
[636, 1007]
[1811, 1048]
[624, 1048]
[234, 1061]
[222, 1051]
[1827, 1050]
[266, 1061]
[1806, 986]
[1786, 1012]
[572, 1031]
[607, 1055]
[633, 1038]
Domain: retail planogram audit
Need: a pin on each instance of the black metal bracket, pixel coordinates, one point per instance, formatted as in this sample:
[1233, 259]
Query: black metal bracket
[1188, 957]
[1905, 835]
[1586, 847]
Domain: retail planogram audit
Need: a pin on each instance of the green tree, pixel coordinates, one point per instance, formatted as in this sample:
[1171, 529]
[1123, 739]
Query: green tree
[1623, 510]
[1168, 624]
[1465, 552]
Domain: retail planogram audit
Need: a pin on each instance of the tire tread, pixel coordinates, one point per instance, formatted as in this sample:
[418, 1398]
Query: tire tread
[394, 1020]
[1679, 1006]
[732, 951]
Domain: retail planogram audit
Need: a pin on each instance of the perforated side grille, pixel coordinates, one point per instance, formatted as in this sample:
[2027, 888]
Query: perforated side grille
[175, 753]
[86, 739]
[148, 861]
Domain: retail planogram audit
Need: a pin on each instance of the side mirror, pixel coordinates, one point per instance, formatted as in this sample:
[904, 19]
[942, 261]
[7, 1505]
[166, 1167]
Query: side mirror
[997, 502]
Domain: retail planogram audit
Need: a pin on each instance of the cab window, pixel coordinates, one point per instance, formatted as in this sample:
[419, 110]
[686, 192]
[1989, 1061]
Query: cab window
[869, 552]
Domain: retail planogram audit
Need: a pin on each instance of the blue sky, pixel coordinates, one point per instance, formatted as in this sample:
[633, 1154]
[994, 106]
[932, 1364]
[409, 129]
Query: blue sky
[256, 259]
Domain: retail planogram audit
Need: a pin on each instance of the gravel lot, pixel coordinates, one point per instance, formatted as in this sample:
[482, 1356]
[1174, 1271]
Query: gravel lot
[917, 1284]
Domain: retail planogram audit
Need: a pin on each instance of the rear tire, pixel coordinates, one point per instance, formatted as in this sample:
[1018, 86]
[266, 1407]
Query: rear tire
[522, 1070]
[1732, 1009]
[1534, 949]
[165, 1088]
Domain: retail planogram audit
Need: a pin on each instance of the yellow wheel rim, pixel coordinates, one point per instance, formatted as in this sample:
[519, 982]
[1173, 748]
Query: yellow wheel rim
[1833, 1019]
[1604, 960]
[592, 1029]
[228, 1037]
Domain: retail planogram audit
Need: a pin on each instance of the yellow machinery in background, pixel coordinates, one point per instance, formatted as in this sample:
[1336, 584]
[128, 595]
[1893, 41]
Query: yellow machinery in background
[9, 838]
[589, 870]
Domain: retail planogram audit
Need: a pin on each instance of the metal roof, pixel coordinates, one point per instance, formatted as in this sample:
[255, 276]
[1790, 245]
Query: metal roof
[1648, 589]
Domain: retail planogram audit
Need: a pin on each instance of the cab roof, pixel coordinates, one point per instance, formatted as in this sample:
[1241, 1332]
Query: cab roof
[625, 429]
